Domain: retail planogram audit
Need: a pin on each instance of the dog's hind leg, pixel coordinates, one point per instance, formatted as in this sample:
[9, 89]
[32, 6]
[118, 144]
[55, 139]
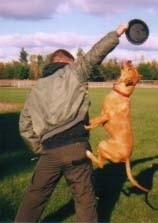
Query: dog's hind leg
[97, 161]
[101, 158]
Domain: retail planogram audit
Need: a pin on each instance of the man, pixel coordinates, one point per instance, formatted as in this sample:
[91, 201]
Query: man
[52, 123]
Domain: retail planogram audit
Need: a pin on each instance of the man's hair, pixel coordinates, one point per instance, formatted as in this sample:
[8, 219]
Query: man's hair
[60, 53]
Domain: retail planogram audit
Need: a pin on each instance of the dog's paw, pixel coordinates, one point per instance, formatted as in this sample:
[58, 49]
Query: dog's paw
[88, 154]
[87, 127]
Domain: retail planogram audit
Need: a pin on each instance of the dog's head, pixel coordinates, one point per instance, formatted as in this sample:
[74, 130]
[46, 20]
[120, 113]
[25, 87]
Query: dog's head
[129, 74]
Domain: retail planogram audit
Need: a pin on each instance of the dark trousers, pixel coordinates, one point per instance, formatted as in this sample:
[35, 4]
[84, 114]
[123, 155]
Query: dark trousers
[68, 161]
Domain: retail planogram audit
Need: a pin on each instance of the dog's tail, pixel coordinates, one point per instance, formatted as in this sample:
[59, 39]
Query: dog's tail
[131, 178]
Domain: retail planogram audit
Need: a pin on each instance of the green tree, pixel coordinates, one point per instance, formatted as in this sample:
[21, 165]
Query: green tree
[111, 69]
[36, 66]
[25, 70]
[40, 63]
[8, 71]
[2, 65]
[95, 73]
[148, 71]
[20, 71]
[23, 56]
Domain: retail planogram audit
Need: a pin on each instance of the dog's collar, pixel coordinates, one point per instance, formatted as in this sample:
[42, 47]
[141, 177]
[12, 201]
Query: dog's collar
[120, 92]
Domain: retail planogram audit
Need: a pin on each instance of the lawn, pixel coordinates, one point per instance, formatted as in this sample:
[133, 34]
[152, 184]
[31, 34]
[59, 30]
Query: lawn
[118, 200]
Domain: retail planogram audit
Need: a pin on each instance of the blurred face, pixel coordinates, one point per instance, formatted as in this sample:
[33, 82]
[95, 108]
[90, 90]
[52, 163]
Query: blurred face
[63, 59]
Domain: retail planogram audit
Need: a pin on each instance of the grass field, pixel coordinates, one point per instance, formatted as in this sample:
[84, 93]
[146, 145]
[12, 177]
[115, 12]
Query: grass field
[118, 200]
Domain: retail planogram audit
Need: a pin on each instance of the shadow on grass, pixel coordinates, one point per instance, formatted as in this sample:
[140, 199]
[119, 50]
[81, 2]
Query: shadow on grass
[108, 184]
[11, 165]
[14, 154]
[60, 215]
[9, 132]
[15, 158]
[6, 211]
[109, 181]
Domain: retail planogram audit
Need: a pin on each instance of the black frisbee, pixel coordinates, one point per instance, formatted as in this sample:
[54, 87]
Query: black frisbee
[137, 32]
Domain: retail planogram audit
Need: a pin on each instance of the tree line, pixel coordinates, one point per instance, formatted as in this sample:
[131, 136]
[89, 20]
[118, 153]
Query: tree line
[31, 67]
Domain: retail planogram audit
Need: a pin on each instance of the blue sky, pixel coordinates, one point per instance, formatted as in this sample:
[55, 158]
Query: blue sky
[42, 26]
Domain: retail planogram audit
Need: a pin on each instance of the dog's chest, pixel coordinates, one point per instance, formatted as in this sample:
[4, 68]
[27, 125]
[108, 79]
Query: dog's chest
[116, 107]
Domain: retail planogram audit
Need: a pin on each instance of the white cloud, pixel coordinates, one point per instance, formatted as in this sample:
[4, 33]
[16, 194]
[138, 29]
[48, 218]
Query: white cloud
[42, 9]
[29, 10]
[42, 42]
[42, 39]
[39, 43]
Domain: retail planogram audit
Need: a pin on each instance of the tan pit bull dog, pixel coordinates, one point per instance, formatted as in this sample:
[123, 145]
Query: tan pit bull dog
[115, 118]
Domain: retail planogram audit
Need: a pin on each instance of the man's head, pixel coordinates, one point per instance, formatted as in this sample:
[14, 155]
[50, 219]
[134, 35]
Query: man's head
[62, 56]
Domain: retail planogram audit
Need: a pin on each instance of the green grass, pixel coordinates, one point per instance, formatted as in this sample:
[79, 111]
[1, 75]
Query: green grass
[119, 201]
[13, 95]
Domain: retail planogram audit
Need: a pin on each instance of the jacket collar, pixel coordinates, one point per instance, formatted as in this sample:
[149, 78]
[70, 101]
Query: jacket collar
[52, 68]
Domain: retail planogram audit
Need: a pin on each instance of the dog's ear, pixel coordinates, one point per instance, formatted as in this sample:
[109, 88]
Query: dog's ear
[133, 80]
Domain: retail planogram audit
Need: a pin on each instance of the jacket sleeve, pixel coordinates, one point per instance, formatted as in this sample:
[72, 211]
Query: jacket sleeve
[27, 133]
[96, 55]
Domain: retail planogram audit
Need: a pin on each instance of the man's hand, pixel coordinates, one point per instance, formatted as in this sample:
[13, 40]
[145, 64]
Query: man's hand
[122, 28]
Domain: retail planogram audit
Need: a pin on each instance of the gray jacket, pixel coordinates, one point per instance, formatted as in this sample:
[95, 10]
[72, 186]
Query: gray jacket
[60, 101]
